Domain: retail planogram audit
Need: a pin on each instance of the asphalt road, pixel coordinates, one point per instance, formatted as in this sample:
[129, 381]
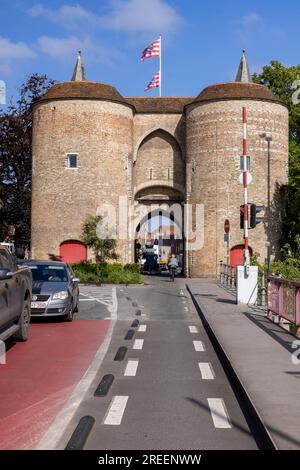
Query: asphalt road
[170, 391]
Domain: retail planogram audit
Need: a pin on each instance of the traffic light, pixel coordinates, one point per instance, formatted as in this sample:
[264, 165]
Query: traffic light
[254, 220]
[242, 210]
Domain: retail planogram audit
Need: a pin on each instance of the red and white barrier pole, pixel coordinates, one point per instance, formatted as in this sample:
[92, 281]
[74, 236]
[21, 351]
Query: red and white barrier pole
[245, 182]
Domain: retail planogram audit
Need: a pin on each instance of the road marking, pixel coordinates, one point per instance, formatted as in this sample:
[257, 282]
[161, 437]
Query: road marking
[116, 410]
[138, 344]
[142, 328]
[131, 367]
[207, 372]
[52, 439]
[193, 329]
[181, 292]
[87, 300]
[219, 413]
[186, 309]
[199, 346]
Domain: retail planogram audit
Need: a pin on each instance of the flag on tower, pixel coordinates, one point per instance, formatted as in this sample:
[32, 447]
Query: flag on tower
[151, 51]
[155, 82]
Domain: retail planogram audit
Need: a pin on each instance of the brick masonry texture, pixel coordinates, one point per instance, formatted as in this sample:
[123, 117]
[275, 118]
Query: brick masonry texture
[192, 148]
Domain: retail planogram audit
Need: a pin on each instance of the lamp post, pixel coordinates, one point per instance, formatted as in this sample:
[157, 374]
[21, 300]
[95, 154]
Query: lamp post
[268, 137]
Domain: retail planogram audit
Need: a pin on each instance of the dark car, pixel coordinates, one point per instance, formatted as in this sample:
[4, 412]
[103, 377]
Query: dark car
[15, 295]
[55, 290]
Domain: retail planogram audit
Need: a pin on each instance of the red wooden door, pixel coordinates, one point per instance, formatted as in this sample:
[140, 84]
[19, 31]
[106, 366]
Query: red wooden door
[237, 255]
[73, 251]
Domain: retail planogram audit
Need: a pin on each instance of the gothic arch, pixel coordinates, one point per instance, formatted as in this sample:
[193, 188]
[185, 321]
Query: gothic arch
[153, 130]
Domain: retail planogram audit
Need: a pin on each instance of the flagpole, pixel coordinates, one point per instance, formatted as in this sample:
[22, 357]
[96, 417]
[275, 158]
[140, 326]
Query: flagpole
[160, 72]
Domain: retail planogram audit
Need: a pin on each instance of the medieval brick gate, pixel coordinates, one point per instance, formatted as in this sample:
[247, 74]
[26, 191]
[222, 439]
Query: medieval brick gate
[92, 146]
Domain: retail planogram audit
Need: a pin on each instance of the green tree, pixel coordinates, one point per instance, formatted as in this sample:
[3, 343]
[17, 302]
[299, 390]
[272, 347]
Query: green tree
[15, 157]
[104, 248]
[285, 82]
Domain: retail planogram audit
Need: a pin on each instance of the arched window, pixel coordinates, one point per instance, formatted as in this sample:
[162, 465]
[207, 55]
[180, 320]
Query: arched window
[72, 251]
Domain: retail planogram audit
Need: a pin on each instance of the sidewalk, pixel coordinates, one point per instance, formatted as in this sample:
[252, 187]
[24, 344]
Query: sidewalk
[259, 353]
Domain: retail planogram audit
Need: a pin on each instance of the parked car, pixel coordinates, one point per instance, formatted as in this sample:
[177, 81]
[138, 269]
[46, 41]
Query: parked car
[15, 297]
[55, 290]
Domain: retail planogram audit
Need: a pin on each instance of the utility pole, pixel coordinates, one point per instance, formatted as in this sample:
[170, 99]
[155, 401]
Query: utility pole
[245, 183]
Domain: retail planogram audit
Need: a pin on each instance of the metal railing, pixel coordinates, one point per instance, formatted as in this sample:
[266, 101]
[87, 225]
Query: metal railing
[227, 275]
[284, 302]
[228, 279]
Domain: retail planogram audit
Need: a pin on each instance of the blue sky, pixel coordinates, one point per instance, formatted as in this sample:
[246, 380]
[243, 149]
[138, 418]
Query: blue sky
[202, 41]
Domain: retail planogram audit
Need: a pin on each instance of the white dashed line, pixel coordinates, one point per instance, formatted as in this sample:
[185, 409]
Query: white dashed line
[142, 328]
[116, 410]
[131, 367]
[138, 344]
[207, 372]
[219, 413]
[199, 346]
[193, 329]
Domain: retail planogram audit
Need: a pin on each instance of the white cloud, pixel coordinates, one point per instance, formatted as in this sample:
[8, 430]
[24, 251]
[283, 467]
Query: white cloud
[64, 49]
[253, 20]
[12, 52]
[249, 25]
[131, 16]
[69, 16]
[142, 16]
[15, 50]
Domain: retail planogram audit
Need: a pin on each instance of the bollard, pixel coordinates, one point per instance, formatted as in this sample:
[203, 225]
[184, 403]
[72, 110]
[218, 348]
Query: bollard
[229, 276]
[221, 269]
[263, 289]
[232, 276]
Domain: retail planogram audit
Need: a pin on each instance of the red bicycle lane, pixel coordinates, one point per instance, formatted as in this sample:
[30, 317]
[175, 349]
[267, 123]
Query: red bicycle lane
[40, 375]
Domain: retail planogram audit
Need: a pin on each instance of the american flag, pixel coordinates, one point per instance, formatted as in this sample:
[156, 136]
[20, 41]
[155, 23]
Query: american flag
[151, 51]
[155, 82]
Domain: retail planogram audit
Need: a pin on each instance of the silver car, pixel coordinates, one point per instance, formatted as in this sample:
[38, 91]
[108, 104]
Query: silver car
[55, 290]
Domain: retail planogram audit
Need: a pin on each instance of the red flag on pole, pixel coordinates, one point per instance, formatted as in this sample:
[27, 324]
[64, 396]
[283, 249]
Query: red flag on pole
[155, 82]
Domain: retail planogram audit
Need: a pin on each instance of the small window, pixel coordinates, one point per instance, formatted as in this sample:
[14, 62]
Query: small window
[72, 160]
[150, 173]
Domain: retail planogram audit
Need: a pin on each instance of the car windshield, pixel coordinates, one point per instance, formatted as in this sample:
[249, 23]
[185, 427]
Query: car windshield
[48, 273]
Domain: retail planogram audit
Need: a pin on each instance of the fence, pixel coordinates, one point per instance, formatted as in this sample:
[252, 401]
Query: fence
[228, 279]
[284, 302]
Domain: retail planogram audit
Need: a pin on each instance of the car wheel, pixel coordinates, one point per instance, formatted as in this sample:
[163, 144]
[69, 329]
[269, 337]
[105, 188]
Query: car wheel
[23, 323]
[70, 314]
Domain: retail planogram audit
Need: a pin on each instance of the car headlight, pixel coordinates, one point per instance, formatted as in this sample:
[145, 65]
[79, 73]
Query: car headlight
[63, 295]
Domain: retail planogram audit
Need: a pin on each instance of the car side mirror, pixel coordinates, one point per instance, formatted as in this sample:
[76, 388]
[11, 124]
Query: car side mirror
[5, 274]
[76, 279]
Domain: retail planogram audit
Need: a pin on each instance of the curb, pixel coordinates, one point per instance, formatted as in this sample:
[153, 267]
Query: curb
[255, 422]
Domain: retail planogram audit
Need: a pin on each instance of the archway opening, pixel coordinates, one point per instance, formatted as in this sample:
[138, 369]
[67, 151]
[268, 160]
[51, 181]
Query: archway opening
[72, 251]
[158, 236]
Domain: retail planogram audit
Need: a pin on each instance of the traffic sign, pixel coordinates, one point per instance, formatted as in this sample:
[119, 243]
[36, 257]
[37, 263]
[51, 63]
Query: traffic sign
[226, 226]
[249, 178]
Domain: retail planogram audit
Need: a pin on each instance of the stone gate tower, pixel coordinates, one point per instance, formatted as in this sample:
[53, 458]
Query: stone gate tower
[91, 146]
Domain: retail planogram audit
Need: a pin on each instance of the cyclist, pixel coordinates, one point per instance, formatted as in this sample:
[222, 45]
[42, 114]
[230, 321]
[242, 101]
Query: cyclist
[173, 265]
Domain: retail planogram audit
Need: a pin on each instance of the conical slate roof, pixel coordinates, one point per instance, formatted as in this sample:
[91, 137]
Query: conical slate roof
[79, 72]
[243, 74]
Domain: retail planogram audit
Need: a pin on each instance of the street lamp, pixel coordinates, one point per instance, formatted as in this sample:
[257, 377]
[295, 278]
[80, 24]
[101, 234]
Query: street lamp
[268, 137]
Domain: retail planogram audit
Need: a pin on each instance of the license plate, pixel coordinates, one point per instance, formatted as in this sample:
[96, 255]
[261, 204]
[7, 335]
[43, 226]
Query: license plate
[38, 304]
